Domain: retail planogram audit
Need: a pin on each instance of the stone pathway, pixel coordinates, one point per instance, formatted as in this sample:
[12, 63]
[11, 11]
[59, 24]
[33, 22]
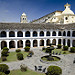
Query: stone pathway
[66, 62]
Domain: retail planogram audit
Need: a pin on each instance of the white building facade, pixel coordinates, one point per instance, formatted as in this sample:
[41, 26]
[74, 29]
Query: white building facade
[20, 35]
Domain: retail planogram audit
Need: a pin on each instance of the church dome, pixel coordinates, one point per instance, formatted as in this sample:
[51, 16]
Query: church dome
[23, 14]
[67, 10]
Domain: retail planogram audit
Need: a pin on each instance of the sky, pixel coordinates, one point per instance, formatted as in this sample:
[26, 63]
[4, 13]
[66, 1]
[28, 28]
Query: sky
[11, 10]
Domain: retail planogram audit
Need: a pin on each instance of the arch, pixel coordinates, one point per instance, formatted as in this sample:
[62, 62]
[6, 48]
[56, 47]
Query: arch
[11, 44]
[11, 34]
[68, 33]
[20, 44]
[59, 41]
[54, 33]
[48, 42]
[64, 33]
[34, 43]
[54, 42]
[3, 34]
[19, 34]
[41, 42]
[48, 33]
[68, 43]
[41, 33]
[34, 34]
[73, 33]
[27, 43]
[59, 33]
[64, 42]
[27, 34]
[73, 43]
[3, 44]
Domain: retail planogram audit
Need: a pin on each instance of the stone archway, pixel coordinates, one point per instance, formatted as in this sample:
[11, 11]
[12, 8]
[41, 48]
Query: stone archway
[34, 43]
[68, 43]
[11, 34]
[3, 44]
[3, 34]
[28, 43]
[11, 44]
[48, 42]
[54, 42]
[59, 41]
[19, 34]
[73, 43]
[20, 44]
[41, 42]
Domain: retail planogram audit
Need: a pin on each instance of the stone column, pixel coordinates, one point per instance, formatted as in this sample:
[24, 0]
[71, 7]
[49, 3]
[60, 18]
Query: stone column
[7, 43]
[45, 33]
[45, 42]
[7, 32]
[51, 40]
[38, 32]
[16, 44]
[31, 43]
[70, 33]
[15, 33]
[38, 42]
[31, 33]
[51, 32]
[56, 41]
[71, 42]
[24, 43]
[23, 33]
[66, 42]
[57, 33]
[0, 45]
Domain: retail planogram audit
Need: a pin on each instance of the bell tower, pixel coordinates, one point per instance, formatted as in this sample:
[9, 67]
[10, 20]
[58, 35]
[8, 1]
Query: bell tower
[23, 18]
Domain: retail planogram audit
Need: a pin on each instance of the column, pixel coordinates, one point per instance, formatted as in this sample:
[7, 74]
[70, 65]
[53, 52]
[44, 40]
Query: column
[70, 33]
[24, 43]
[66, 33]
[31, 43]
[62, 42]
[66, 42]
[51, 40]
[38, 32]
[0, 45]
[71, 42]
[7, 43]
[56, 41]
[57, 33]
[45, 33]
[31, 33]
[45, 42]
[15, 33]
[7, 32]
[16, 44]
[23, 33]
[38, 42]
[51, 32]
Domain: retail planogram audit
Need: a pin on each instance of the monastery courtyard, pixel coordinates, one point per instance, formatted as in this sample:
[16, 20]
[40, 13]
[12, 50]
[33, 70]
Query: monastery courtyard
[66, 62]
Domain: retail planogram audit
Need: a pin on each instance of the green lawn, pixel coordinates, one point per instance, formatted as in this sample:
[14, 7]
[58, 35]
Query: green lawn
[12, 56]
[28, 72]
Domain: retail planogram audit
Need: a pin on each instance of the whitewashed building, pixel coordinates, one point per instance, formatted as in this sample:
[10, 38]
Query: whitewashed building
[56, 28]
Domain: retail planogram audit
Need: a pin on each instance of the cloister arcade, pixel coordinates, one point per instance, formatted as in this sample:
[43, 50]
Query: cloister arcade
[36, 38]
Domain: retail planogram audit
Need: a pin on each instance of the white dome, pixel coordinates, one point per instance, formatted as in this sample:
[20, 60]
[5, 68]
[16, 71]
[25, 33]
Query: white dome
[24, 14]
[68, 11]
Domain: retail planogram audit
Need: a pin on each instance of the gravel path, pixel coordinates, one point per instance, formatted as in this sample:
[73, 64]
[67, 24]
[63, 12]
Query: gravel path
[66, 62]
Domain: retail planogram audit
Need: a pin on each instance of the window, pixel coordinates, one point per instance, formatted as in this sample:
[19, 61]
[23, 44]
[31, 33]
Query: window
[66, 18]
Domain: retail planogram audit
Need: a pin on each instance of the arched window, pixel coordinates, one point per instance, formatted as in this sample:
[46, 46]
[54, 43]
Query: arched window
[11, 34]
[3, 44]
[11, 44]
[54, 33]
[41, 33]
[34, 34]
[73, 33]
[27, 34]
[59, 34]
[34, 43]
[68, 33]
[64, 33]
[48, 33]
[41, 42]
[28, 43]
[3, 34]
[19, 34]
